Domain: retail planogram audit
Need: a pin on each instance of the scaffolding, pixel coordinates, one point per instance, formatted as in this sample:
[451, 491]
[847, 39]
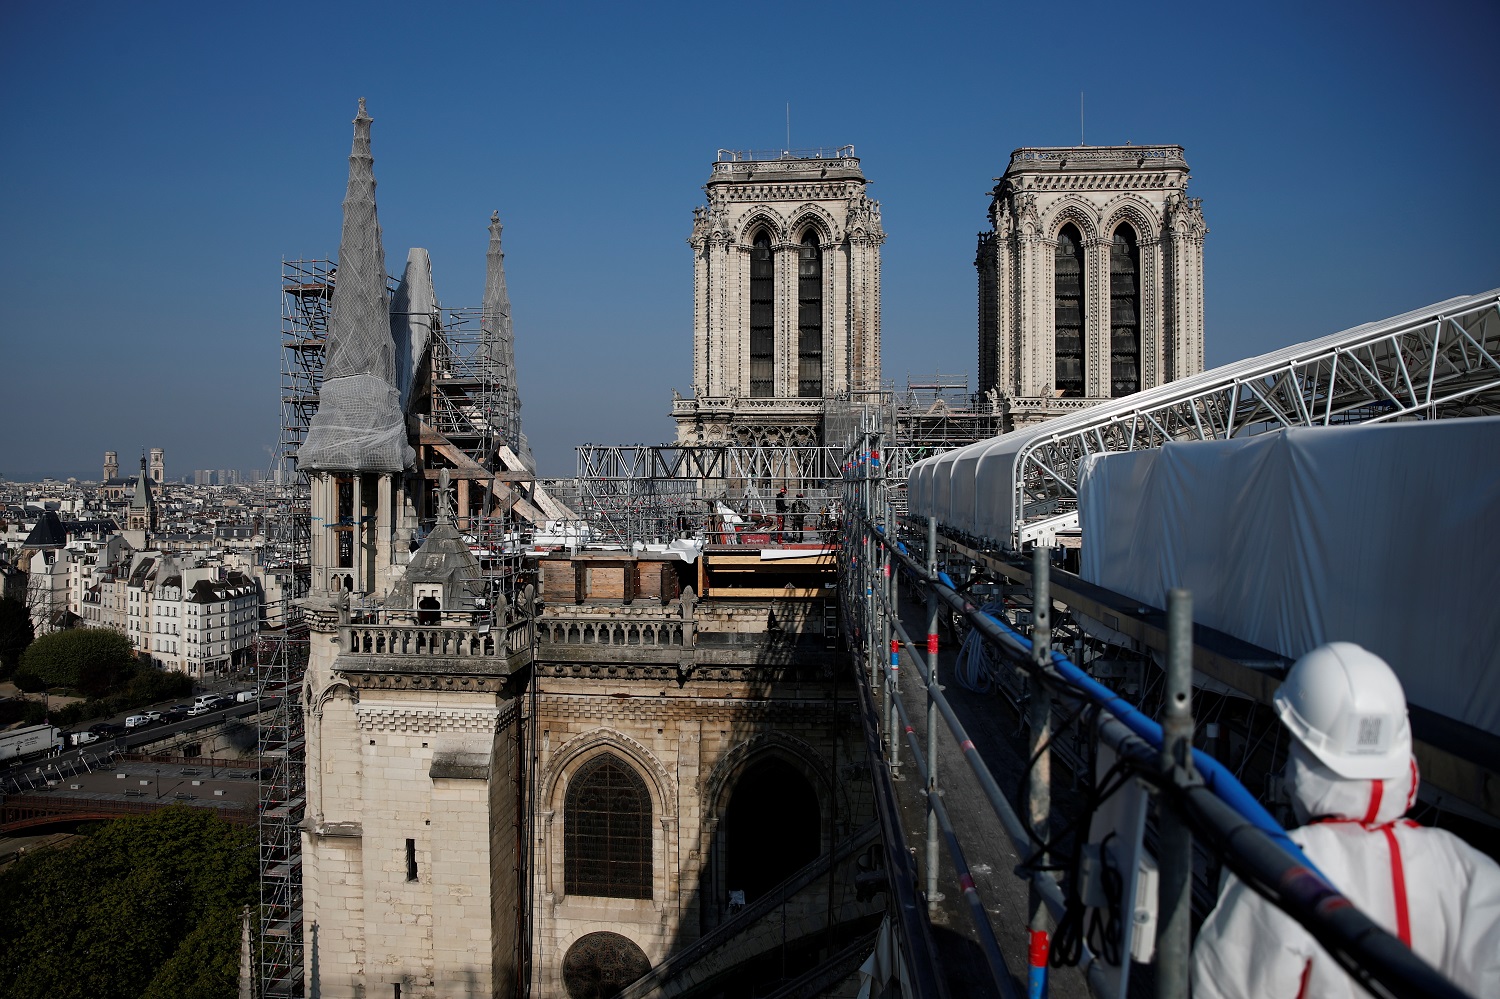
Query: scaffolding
[306, 295]
[651, 493]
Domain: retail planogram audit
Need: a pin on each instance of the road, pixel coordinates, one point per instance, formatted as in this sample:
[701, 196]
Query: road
[136, 737]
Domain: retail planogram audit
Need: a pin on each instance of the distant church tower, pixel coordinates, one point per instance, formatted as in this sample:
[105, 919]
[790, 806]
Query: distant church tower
[140, 516]
[111, 465]
[158, 465]
[786, 297]
[1090, 278]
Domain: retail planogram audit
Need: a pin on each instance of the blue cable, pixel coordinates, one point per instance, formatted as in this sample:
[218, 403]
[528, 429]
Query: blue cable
[1216, 777]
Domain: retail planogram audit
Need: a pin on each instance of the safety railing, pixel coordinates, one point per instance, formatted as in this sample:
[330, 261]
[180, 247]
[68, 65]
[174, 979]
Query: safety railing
[1193, 792]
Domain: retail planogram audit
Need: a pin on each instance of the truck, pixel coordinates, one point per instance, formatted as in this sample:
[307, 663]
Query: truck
[28, 741]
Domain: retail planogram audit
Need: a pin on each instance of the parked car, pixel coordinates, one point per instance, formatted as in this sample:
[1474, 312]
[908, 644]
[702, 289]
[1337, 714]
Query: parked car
[137, 721]
[176, 712]
[105, 730]
[200, 708]
[153, 715]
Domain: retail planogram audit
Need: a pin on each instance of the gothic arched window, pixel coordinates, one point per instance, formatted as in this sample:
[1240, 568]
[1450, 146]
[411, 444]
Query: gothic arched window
[607, 831]
[1068, 312]
[1124, 313]
[762, 317]
[810, 318]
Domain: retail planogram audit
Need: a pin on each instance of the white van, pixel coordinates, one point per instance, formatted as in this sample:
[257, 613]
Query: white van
[206, 701]
[137, 721]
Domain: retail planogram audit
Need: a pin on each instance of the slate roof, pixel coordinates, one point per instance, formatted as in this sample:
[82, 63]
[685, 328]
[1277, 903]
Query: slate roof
[48, 532]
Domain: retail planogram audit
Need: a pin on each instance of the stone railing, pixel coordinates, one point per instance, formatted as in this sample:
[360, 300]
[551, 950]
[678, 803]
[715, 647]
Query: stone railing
[438, 642]
[763, 155]
[614, 632]
[1102, 155]
[710, 403]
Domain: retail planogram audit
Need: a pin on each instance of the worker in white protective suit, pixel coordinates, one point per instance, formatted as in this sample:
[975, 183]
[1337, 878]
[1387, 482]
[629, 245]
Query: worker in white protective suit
[1352, 777]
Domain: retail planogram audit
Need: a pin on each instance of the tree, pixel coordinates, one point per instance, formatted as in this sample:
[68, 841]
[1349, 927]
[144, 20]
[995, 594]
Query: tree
[16, 633]
[92, 660]
[144, 906]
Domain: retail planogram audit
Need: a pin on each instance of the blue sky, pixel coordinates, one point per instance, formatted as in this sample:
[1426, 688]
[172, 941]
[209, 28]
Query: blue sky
[158, 160]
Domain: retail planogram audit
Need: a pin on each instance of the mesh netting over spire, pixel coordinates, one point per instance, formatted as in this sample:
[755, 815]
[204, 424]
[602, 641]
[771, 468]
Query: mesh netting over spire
[498, 349]
[358, 426]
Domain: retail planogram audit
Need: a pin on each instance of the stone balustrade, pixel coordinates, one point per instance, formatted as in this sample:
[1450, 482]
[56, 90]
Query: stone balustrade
[1032, 156]
[435, 641]
[614, 631]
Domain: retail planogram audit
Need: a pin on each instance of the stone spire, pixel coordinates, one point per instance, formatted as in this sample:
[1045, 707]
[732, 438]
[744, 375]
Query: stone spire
[499, 347]
[359, 426]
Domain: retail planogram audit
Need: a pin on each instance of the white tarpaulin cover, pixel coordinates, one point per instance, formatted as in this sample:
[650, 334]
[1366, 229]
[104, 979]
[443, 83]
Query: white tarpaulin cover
[1387, 535]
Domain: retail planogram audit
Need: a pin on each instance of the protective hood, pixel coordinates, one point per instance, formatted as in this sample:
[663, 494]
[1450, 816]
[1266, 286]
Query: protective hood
[1319, 793]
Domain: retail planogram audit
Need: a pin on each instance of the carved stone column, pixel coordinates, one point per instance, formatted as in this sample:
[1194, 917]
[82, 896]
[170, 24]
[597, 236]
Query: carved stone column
[1099, 328]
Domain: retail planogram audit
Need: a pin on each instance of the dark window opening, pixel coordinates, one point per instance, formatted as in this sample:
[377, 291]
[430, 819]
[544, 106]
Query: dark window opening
[1124, 313]
[411, 860]
[1069, 313]
[772, 828]
[810, 318]
[762, 317]
[607, 831]
[429, 610]
[346, 549]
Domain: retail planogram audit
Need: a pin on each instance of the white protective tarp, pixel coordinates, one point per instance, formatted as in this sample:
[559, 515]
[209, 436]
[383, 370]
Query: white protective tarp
[939, 487]
[1382, 534]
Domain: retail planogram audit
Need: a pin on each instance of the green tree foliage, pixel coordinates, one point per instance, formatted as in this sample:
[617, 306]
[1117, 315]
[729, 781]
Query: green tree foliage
[149, 685]
[144, 907]
[15, 634]
[91, 660]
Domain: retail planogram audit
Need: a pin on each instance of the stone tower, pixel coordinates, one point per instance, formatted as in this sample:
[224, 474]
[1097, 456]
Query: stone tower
[111, 465]
[786, 297]
[356, 447]
[140, 516]
[1090, 278]
[158, 465]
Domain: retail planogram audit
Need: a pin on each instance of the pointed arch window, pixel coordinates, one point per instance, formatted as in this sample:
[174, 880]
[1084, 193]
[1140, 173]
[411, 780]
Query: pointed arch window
[762, 317]
[1068, 313]
[607, 831]
[1124, 313]
[810, 318]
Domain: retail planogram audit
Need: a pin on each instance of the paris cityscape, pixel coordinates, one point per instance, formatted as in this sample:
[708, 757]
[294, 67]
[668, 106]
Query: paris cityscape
[493, 508]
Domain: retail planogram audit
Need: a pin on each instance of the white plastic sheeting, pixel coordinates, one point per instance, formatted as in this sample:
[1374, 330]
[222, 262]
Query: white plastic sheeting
[983, 497]
[359, 426]
[413, 309]
[1383, 534]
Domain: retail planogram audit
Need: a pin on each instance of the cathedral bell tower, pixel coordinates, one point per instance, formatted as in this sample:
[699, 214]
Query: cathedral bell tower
[786, 297]
[1090, 278]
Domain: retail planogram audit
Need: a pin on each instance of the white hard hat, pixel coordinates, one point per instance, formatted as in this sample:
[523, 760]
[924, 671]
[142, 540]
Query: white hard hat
[1347, 707]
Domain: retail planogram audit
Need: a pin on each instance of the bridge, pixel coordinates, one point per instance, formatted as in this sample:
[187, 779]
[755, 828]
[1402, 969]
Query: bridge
[121, 785]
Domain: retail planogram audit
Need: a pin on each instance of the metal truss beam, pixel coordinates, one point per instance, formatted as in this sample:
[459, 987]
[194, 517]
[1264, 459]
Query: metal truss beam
[1433, 364]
